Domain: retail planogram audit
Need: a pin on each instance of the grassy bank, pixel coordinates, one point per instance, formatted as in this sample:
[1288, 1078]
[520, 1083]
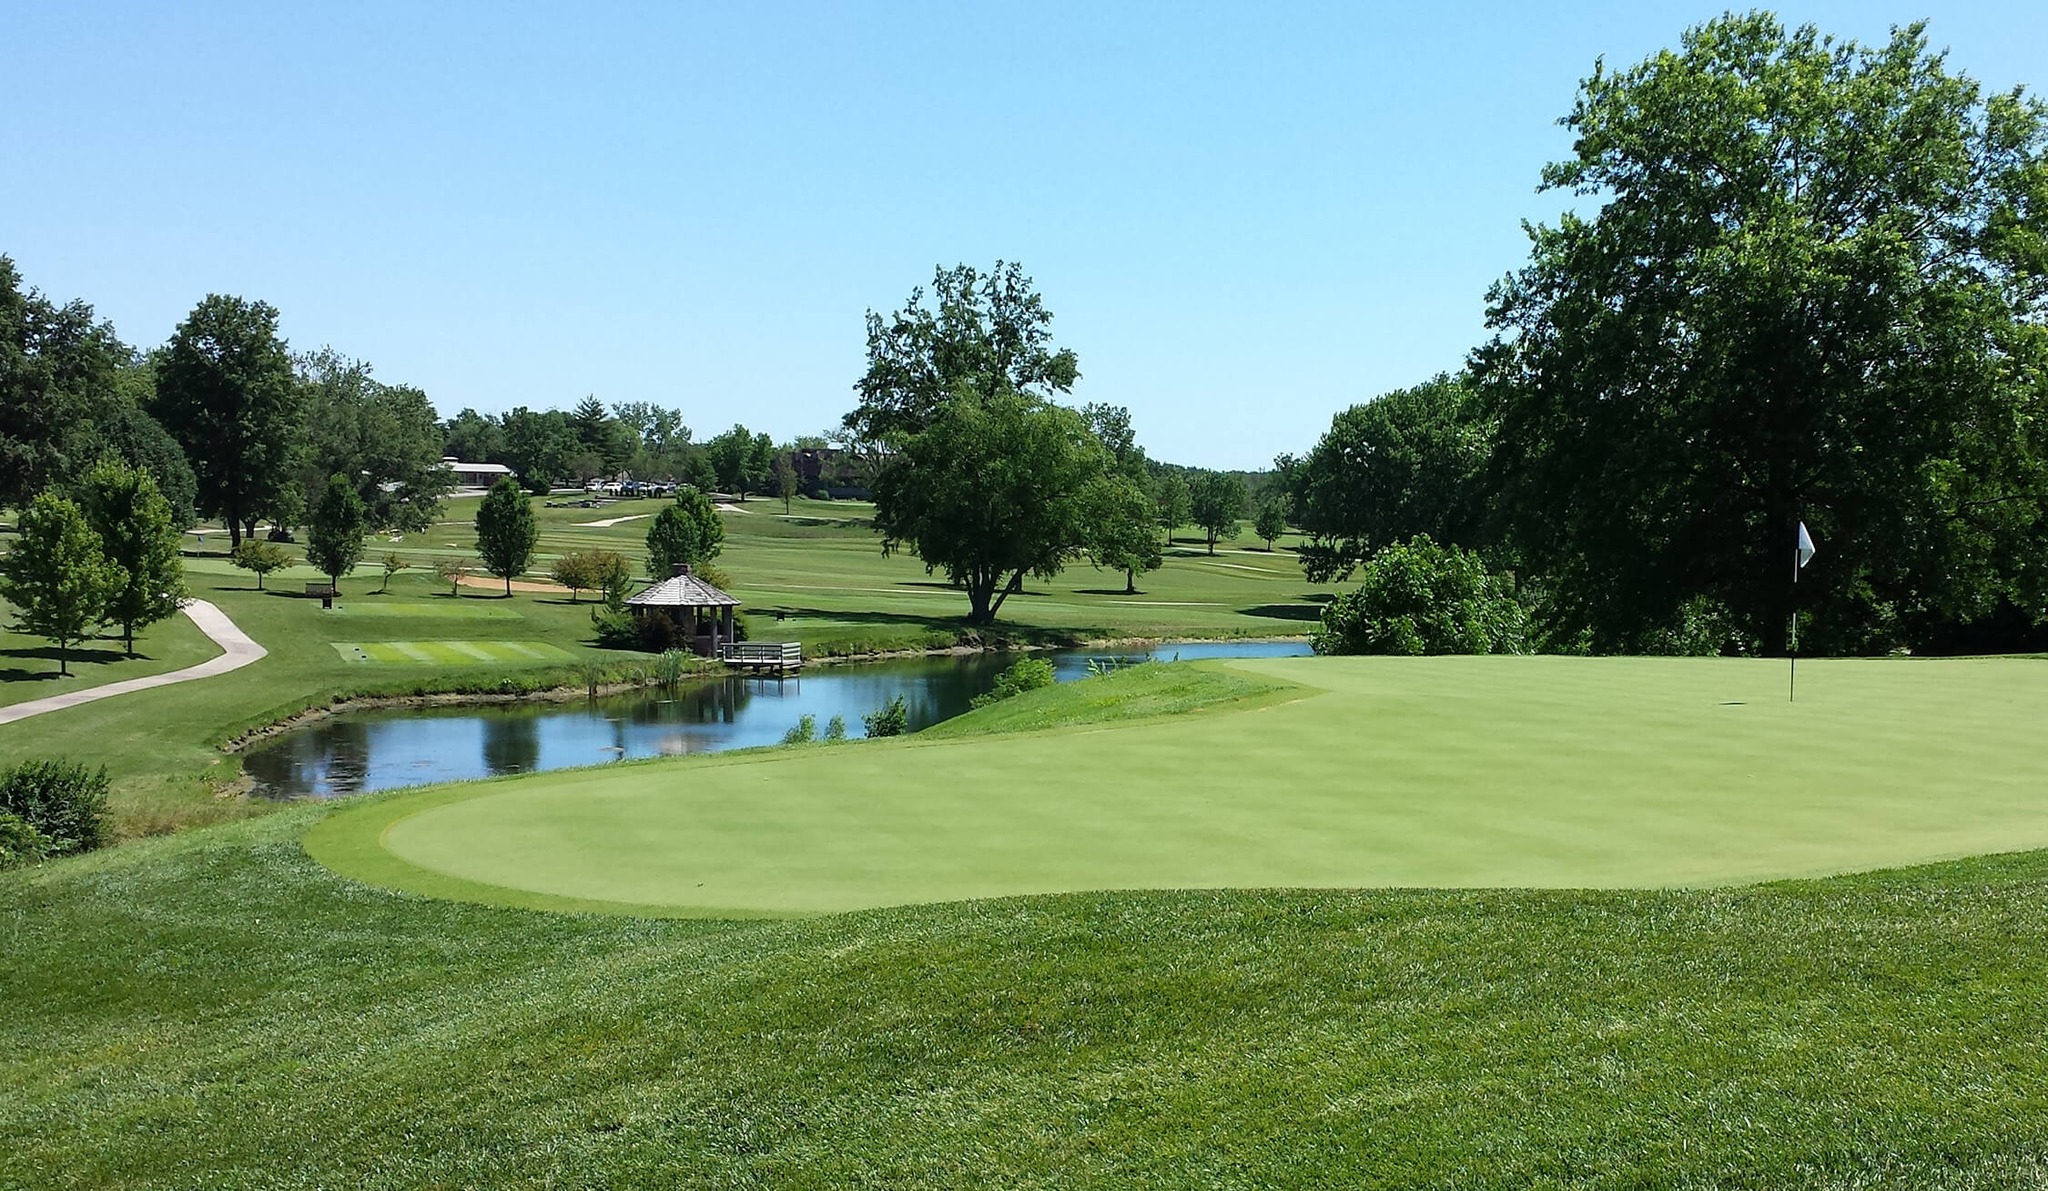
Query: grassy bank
[216, 1009]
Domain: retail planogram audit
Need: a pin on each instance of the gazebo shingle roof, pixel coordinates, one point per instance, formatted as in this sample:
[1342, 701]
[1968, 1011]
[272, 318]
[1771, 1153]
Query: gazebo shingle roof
[683, 591]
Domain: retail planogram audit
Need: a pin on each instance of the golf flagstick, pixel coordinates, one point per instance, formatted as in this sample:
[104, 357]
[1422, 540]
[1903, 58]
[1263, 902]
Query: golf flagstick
[1802, 553]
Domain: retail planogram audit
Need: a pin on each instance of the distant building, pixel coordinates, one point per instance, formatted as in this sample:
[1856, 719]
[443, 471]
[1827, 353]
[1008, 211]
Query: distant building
[475, 475]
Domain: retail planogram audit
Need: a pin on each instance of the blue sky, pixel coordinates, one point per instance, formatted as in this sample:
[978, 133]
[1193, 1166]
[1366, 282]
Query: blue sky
[1244, 217]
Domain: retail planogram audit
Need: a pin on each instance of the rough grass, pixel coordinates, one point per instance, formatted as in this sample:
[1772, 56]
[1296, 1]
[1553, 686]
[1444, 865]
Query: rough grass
[215, 1009]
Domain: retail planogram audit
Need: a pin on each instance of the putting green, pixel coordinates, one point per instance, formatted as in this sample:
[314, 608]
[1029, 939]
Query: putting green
[448, 653]
[1519, 771]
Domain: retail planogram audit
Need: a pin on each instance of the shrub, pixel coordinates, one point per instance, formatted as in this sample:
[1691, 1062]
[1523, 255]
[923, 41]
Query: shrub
[20, 842]
[891, 720]
[616, 629]
[61, 800]
[806, 730]
[835, 729]
[1422, 598]
[1028, 674]
[658, 634]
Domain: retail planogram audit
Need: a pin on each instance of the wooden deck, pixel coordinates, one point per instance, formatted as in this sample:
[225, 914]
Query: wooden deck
[779, 656]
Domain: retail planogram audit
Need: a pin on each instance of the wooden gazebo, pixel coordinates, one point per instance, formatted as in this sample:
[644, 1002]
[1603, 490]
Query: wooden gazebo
[701, 613]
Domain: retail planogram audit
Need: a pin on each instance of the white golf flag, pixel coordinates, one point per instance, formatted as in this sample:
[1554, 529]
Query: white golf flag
[1805, 546]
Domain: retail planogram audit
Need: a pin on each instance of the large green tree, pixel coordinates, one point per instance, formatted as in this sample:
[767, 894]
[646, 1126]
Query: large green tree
[1406, 463]
[57, 576]
[138, 533]
[384, 438]
[992, 489]
[334, 537]
[1811, 287]
[70, 393]
[987, 333]
[1117, 528]
[537, 446]
[225, 391]
[687, 531]
[1217, 501]
[505, 530]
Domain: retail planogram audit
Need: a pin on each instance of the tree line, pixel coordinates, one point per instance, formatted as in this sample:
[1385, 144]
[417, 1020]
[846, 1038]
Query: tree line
[1812, 290]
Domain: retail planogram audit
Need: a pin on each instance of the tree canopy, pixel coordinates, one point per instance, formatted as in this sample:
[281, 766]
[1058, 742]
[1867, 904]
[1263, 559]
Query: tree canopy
[993, 488]
[505, 530]
[688, 531]
[1403, 464]
[57, 575]
[988, 333]
[225, 391]
[334, 541]
[384, 438]
[1814, 289]
[139, 537]
[1216, 500]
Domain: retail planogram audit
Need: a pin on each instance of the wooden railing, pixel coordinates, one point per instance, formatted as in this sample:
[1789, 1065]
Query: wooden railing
[784, 655]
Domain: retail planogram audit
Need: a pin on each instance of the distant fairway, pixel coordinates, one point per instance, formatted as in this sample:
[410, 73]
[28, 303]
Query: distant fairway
[426, 610]
[1385, 772]
[449, 653]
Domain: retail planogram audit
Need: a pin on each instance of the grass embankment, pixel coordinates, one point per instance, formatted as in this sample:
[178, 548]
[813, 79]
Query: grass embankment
[217, 1009]
[822, 568]
[1518, 771]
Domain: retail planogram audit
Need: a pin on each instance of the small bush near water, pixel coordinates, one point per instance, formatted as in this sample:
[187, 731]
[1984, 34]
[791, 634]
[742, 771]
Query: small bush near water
[1029, 674]
[806, 730]
[51, 808]
[890, 720]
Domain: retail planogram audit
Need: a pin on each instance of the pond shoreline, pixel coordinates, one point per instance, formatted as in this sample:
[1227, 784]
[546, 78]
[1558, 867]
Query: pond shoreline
[571, 692]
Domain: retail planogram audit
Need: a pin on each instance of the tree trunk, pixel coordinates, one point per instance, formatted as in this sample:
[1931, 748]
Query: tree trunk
[508, 587]
[1212, 543]
[233, 516]
[1130, 582]
[128, 636]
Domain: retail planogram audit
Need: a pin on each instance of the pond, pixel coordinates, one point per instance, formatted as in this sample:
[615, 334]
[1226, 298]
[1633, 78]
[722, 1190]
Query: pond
[381, 750]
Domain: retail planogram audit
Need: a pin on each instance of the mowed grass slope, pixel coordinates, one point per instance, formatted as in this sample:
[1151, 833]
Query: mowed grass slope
[1520, 771]
[216, 1009]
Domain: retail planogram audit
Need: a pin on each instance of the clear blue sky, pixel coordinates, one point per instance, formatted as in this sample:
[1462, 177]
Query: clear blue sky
[1244, 217]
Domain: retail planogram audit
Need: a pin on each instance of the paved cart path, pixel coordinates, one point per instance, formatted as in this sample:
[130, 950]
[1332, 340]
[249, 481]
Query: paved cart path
[239, 650]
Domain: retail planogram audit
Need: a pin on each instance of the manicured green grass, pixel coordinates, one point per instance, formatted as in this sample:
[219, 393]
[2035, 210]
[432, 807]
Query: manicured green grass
[449, 653]
[450, 609]
[215, 1009]
[1520, 771]
[28, 665]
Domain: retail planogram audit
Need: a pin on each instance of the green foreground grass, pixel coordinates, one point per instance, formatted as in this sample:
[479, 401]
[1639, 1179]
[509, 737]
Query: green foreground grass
[820, 568]
[1316, 772]
[216, 1009]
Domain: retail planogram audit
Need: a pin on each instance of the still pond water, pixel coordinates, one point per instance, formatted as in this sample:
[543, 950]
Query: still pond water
[382, 750]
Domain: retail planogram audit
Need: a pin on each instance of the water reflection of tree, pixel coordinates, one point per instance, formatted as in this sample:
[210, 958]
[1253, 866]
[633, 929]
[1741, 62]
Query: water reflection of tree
[511, 743]
[328, 759]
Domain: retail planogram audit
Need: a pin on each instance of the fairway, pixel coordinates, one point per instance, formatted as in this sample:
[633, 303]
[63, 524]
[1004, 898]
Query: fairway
[1468, 771]
[437, 610]
[449, 653]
